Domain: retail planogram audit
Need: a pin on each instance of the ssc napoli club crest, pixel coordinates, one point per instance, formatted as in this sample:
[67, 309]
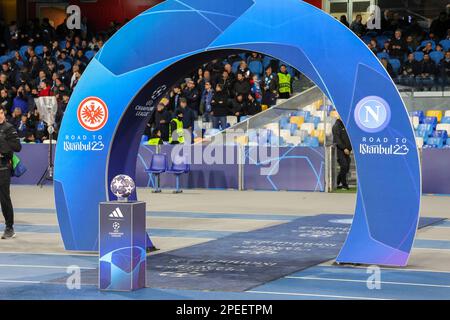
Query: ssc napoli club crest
[92, 114]
[372, 114]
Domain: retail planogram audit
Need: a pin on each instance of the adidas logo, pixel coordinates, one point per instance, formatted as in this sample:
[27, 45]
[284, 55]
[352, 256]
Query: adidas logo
[116, 213]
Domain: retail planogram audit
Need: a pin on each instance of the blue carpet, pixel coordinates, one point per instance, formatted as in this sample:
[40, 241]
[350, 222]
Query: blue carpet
[245, 260]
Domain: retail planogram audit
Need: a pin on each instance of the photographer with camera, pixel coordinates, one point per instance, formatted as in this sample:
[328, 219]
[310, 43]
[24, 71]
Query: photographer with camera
[9, 143]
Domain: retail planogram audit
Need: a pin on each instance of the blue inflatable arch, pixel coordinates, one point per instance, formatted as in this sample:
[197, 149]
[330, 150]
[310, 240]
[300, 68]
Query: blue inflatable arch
[108, 111]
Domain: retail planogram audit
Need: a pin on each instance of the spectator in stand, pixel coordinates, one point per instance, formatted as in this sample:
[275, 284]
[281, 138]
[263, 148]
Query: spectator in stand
[270, 87]
[238, 106]
[409, 71]
[244, 70]
[174, 98]
[373, 46]
[398, 47]
[205, 104]
[21, 101]
[229, 69]
[241, 86]
[40, 132]
[226, 83]
[444, 70]
[219, 108]
[284, 83]
[253, 106]
[440, 25]
[387, 48]
[388, 67]
[427, 73]
[256, 90]
[192, 97]
[428, 48]
[254, 56]
[411, 44]
[162, 121]
[204, 77]
[45, 89]
[5, 100]
[188, 115]
[24, 126]
[357, 26]
[4, 83]
[343, 20]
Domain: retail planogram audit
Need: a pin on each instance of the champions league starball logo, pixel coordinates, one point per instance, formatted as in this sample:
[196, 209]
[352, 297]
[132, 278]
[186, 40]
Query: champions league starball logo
[122, 186]
[372, 114]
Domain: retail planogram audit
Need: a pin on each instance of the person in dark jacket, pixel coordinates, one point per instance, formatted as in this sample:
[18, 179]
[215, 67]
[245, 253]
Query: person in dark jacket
[162, 120]
[193, 97]
[238, 106]
[270, 87]
[253, 106]
[344, 149]
[241, 86]
[427, 73]
[444, 70]
[408, 71]
[398, 46]
[219, 108]
[9, 143]
[188, 115]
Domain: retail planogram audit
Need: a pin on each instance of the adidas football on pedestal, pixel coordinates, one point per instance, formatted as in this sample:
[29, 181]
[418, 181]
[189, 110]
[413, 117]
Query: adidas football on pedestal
[122, 239]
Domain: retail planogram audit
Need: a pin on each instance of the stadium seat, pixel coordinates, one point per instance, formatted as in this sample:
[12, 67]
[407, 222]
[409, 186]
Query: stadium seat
[382, 55]
[445, 44]
[285, 133]
[395, 63]
[244, 118]
[381, 40]
[293, 128]
[144, 139]
[211, 132]
[298, 120]
[23, 50]
[294, 140]
[435, 113]
[158, 165]
[67, 66]
[418, 55]
[419, 142]
[436, 56]
[435, 142]
[425, 42]
[441, 134]
[414, 121]
[312, 142]
[319, 134]
[235, 66]
[4, 59]
[232, 120]
[309, 127]
[39, 50]
[431, 120]
[90, 54]
[445, 120]
[418, 113]
[447, 113]
[179, 166]
[315, 121]
[266, 61]
[256, 67]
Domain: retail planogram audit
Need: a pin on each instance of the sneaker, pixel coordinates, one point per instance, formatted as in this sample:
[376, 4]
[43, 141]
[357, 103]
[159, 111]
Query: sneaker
[8, 233]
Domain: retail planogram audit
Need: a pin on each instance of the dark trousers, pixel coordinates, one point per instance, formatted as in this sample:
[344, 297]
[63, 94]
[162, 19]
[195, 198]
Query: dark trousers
[5, 197]
[219, 122]
[344, 162]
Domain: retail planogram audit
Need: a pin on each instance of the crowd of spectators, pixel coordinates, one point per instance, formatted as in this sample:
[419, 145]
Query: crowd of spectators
[45, 60]
[413, 56]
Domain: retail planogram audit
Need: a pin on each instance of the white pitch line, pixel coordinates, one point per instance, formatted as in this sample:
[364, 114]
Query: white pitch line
[20, 281]
[315, 295]
[68, 254]
[41, 266]
[365, 281]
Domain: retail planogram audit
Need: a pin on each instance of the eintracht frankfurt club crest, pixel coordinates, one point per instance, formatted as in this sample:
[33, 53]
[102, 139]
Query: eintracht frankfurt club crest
[92, 114]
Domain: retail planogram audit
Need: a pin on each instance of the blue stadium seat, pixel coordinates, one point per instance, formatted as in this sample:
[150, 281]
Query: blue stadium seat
[293, 128]
[382, 55]
[366, 39]
[302, 113]
[395, 63]
[158, 165]
[312, 142]
[445, 120]
[22, 51]
[179, 166]
[144, 139]
[235, 66]
[67, 66]
[431, 120]
[418, 113]
[445, 44]
[441, 134]
[4, 59]
[39, 50]
[425, 127]
[418, 55]
[436, 56]
[256, 67]
[315, 120]
[422, 133]
[90, 54]
[264, 137]
[434, 142]
[266, 61]
[381, 40]
[425, 42]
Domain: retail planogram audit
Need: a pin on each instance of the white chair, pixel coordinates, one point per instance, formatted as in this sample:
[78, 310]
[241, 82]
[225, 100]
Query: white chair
[444, 127]
[285, 133]
[308, 127]
[232, 120]
[419, 142]
[295, 140]
[447, 113]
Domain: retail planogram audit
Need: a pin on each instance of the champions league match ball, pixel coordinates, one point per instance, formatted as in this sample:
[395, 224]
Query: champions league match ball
[122, 186]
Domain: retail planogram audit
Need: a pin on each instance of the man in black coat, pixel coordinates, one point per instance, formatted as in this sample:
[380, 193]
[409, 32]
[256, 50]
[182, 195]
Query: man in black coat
[344, 149]
[9, 143]
[162, 121]
[192, 96]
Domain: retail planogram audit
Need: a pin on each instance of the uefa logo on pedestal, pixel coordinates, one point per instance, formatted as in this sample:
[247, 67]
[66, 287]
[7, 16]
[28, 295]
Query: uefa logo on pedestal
[372, 114]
